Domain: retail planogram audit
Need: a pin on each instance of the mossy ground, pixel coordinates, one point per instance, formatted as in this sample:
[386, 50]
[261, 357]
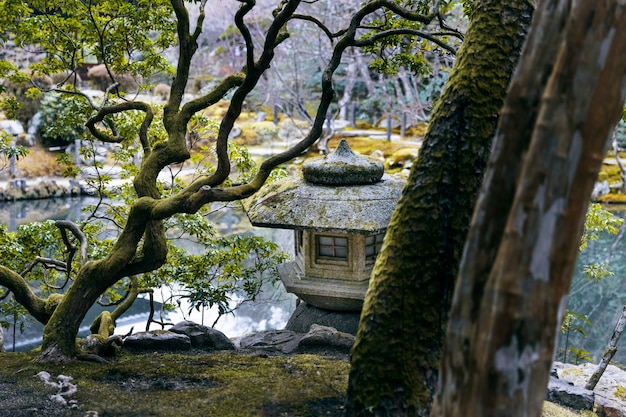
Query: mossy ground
[187, 385]
[161, 384]
[553, 410]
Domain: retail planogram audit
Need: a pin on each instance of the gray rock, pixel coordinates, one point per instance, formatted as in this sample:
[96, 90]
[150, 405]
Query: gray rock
[611, 384]
[568, 395]
[12, 127]
[2, 349]
[157, 340]
[325, 339]
[609, 407]
[600, 188]
[306, 315]
[203, 337]
[271, 340]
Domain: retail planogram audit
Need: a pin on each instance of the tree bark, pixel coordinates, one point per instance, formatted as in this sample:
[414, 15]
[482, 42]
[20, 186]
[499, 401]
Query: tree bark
[396, 355]
[609, 351]
[517, 265]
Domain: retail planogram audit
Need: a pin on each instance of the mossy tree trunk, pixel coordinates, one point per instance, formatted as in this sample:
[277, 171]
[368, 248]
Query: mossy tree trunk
[515, 275]
[397, 351]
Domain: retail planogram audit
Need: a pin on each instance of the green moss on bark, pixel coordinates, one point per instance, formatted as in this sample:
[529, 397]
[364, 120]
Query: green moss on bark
[397, 351]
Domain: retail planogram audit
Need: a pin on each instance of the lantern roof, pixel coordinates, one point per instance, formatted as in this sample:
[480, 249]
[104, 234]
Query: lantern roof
[341, 192]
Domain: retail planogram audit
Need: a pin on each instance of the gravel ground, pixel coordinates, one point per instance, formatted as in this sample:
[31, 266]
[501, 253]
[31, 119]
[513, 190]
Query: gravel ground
[19, 401]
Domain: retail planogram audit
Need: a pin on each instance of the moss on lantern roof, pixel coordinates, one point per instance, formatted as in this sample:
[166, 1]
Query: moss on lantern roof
[343, 167]
[342, 192]
[293, 203]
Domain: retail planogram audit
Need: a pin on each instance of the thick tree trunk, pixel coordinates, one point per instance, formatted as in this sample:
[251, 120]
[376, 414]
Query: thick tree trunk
[396, 355]
[563, 103]
[59, 338]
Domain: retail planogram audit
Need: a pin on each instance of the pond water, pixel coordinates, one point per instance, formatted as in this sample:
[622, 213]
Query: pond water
[271, 310]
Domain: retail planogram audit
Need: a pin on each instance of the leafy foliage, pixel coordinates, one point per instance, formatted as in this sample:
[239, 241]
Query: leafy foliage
[62, 119]
[111, 32]
[233, 266]
[574, 323]
[9, 150]
[598, 223]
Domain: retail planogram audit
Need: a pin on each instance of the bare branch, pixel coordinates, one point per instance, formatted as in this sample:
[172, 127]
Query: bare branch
[403, 31]
[245, 8]
[207, 100]
[187, 48]
[331, 36]
[47, 263]
[64, 226]
[199, 21]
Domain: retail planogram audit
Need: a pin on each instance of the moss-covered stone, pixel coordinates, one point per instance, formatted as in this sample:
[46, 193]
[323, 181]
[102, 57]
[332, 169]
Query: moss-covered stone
[620, 392]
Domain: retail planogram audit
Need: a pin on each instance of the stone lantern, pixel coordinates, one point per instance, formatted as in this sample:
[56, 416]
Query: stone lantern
[339, 210]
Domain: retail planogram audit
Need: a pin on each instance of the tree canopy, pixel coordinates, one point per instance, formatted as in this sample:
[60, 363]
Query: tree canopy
[129, 41]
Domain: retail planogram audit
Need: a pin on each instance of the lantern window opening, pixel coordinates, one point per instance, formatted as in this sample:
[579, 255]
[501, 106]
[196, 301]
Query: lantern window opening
[331, 247]
[373, 245]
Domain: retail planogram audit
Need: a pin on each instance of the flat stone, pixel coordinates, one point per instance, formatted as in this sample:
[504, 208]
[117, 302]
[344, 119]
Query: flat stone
[609, 407]
[563, 393]
[270, 340]
[323, 339]
[203, 337]
[611, 380]
[157, 340]
[307, 315]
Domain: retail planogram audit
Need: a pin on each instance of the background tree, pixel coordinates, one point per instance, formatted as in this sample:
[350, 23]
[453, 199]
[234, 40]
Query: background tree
[396, 355]
[561, 108]
[120, 35]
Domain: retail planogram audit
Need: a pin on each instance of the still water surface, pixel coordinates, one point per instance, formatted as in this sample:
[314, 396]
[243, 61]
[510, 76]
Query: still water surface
[270, 310]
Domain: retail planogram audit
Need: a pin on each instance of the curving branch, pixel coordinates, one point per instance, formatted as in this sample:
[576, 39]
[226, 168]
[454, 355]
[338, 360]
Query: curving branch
[412, 32]
[245, 8]
[331, 36]
[454, 32]
[187, 48]
[205, 190]
[47, 263]
[124, 303]
[24, 295]
[192, 107]
[274, 36]
[64, 226]
[119, 108]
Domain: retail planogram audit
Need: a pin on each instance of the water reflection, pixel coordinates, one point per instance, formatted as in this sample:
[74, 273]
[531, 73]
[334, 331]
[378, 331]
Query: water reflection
[270, 310]
[15, 213]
